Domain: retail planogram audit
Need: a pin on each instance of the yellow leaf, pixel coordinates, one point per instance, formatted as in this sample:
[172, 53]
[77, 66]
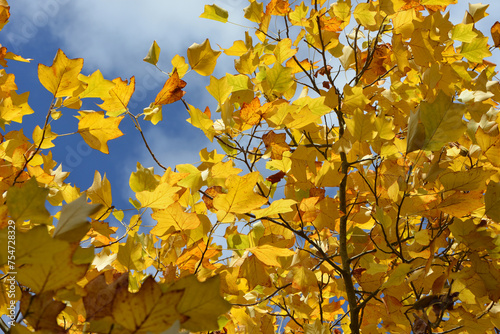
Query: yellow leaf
[160, 198]
[278, 79]
[73, 223]
[219, 89]
[47, 136]
[13, 56]
[303, 278]
[153, 54]
[463, 32]
[317, 327]
[438, 2]
[247, 63]
[240, 197]
[201, 121]
[171, 91]
[28, 202]
[361, 126]
[61, 79]
[100, 192]
[476, 50]
[254, 11]
[398, 275]
[268, 254]
[276, 207]
[473, 179]
[120, 95]
[97, 130]
[179, 64]
[33, 246]
[492, 201]
[354, 98]
[97, 86]
[14, 107]
[442, 120]
[284, 50]
[238, 49]
[148, 310]
[490, 145]
[130, 254]
[202, 58]
[214, 12]
[153, 113]
[143, 179]
[54, 273]
[364, 14]
[174, 219]
[201, 303]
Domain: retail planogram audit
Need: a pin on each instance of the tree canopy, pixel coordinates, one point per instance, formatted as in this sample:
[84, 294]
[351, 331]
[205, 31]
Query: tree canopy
[355, 187]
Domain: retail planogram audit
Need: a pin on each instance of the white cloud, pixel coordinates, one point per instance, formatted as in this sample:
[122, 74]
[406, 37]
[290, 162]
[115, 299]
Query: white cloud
[115, 35]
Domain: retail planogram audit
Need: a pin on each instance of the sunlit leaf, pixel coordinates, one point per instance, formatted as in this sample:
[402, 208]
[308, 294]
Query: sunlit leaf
[214, 12]
[97, 130]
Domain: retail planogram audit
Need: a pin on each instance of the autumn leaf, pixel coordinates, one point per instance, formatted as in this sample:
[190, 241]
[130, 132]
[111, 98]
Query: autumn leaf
[268, 254]
[97, 130]
[202, 58]
[41, 311]
[240, 197]
[495, 34]
[148, 310]
[160, 198]
[73, 224]
[173, 219]
[97, 86]
[214, 12]
[153, 54]
[219, 89]
[120, 95]
[201, 303]
[28, 202]
[61, 79]
[171, 91]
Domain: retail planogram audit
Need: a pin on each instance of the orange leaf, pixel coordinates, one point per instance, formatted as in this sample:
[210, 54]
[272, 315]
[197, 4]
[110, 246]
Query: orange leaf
[278, 7]
[171, 91]
[495, 34]
[250, 112]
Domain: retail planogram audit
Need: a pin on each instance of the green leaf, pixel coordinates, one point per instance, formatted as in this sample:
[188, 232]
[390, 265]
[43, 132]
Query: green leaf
[214, 12]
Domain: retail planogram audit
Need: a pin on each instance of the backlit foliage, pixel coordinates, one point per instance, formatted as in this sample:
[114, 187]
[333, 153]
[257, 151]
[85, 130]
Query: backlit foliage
[356, 188]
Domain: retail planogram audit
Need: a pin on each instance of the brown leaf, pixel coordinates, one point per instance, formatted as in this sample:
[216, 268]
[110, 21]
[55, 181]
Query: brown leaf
[41, 311]
[211, 192]
[277, 177]
[100, 296]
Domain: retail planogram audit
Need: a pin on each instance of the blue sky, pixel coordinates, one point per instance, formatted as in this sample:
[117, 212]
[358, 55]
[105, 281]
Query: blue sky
[114, 36]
